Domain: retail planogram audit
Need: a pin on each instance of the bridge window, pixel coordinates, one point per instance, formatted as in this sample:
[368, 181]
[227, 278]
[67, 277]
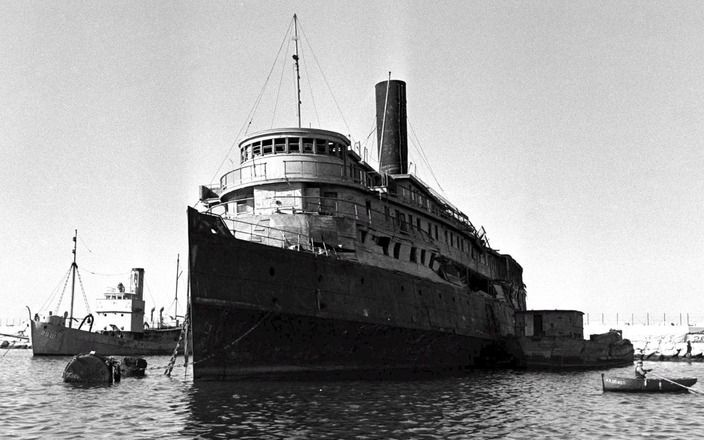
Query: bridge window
[256, 149]
[294, 145]
[308, 145]
[412, 256]
[321, 146]
[267, 146]
[332, 148]
[397, 250]
[422, 256]
[280, 145]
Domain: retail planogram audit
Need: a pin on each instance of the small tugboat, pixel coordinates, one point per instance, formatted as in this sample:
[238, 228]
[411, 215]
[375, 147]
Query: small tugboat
[656, 385]
[120, 314]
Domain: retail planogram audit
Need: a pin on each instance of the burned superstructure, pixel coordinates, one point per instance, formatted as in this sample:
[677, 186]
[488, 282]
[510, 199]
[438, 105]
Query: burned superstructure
[305, 259]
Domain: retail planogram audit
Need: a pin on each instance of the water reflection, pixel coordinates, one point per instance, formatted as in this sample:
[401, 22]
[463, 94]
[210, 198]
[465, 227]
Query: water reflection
[483, 404]
[35, 403]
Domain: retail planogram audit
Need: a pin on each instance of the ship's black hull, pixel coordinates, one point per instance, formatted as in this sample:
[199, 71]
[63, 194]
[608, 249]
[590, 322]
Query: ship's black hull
[232, 343]
[265, 312]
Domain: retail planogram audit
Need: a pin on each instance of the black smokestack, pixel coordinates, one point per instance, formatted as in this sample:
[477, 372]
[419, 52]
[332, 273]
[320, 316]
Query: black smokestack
[391, 135]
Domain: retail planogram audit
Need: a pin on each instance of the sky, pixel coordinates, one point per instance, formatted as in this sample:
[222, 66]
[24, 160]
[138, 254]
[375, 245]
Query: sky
[572, 131]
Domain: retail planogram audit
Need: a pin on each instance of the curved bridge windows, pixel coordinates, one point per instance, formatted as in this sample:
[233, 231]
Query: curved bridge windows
[290, 145]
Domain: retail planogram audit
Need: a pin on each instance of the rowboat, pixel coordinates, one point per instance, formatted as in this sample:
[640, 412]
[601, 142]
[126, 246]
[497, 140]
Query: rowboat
[648, 385]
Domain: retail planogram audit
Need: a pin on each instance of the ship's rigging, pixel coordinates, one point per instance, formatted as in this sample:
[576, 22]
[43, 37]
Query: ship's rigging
[295, 33]
[70, 274]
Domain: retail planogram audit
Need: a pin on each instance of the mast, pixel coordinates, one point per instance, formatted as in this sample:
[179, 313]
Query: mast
[298, 72]
[74, 268]
[176, 298]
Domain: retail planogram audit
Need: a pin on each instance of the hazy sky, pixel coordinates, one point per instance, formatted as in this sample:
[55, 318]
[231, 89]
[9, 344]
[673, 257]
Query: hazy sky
[572, 131]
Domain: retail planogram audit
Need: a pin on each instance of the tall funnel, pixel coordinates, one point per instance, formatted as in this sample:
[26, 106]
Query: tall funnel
[137, 282]
[391, 134]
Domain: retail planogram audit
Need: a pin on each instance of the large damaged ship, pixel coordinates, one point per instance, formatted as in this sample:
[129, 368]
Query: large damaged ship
[305, 260]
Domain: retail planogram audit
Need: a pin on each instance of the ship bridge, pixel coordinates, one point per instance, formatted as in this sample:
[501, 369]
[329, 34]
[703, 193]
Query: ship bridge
[289, 154]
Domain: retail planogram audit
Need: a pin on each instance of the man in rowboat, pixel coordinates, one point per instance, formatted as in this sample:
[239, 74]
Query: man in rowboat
[640, 371]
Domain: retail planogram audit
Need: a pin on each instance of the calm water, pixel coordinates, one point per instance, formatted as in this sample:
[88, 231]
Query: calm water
[35, 403]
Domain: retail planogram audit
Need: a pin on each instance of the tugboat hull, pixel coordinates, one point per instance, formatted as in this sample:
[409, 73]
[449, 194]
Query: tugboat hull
[50, 339]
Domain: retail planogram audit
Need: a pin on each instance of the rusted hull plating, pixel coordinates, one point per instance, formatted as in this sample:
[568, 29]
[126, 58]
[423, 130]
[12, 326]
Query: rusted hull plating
[261, 311]
[288, 346]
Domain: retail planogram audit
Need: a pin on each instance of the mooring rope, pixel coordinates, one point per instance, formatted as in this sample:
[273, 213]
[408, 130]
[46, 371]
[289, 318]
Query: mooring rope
[242, 336]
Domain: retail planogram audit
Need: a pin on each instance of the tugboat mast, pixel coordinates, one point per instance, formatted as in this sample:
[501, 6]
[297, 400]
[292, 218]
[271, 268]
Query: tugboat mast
[176, 297]
[74, 267]
[298, 73]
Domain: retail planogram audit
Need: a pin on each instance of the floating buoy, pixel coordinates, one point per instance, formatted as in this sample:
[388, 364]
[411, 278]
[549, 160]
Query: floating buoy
[91, 368]
[133, 367]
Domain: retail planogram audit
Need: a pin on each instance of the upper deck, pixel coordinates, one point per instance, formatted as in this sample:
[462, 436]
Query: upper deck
[300, 154]
[387, 217]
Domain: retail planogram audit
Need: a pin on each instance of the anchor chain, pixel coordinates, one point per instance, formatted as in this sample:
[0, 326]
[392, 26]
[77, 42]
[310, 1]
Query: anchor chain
[184, 332]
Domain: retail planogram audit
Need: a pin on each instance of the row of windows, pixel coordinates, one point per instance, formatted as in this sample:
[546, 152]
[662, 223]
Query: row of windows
[451, 238]
[290, 145]
[417, 198]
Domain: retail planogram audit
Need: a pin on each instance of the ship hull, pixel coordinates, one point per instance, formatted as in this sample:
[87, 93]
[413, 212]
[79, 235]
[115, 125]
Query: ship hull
[234, 343]
[50, 339]
[261, 311]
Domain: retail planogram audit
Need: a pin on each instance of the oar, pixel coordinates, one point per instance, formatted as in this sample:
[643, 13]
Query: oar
[694, 390]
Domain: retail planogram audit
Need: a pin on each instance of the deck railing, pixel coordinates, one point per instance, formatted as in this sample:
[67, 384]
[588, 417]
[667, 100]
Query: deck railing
[261, 232]
[620, 319]
[331, 206]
